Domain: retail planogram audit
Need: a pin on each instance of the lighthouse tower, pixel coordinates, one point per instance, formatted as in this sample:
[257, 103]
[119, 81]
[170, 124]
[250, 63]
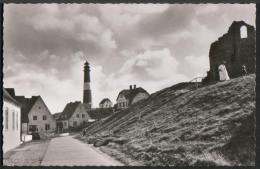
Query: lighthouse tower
[87, 91]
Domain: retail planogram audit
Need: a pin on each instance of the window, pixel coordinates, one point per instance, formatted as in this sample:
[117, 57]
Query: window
[16, 120]
[34, 117]
[33, 128]
[6, 118]
[47, 127]
[13, 119]
[44, 117]
[243, 32]
[77, 115]
[83, 115]
[65, 124]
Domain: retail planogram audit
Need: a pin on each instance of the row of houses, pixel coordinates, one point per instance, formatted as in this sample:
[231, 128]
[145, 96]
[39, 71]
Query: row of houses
[76, 114]
[24, 116]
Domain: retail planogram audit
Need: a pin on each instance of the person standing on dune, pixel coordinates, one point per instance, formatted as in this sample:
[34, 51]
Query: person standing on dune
[223, 74]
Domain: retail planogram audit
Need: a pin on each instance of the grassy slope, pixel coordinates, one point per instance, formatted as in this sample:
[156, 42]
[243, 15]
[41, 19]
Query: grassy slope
[180, 125]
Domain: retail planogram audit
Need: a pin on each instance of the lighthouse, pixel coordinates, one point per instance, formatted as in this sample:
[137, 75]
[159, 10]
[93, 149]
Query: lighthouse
[86, 89]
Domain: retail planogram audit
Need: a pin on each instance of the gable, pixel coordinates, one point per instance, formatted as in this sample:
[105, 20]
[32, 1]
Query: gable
[69, 110]
[121, 98]
[41, 107]
[107, 102]
[130, 94]
[79, 110]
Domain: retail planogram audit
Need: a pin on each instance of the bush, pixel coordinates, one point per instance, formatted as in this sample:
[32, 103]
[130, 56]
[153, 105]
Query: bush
[100, 143]
[120, 141]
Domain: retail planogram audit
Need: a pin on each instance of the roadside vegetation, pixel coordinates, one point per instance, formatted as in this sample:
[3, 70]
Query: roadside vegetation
[212, 125]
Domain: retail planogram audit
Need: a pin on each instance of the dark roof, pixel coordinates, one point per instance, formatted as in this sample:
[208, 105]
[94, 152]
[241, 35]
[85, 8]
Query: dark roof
[11, 91]
[69, 110]
[100, 113]
[56, 115]
[8, 97]
[27, 104]
[104, 100]
[129, 94]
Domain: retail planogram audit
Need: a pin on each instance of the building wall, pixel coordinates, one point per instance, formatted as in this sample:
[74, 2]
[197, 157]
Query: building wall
[65, 124]
[12, 133]
[39, 109]
[106, 104]
[62, 125]
[25, 128]
[234, 50]
[122, 102]
[140, 96]
[77, 116]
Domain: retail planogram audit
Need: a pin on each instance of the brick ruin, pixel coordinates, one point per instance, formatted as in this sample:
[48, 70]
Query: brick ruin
[236, 48]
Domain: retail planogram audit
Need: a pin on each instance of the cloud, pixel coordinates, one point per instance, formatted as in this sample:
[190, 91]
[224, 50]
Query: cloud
[151, 65]
[171, 20]
[57, 30]
[152, 70]
[198, 63]
[150, 45]
[55, 92]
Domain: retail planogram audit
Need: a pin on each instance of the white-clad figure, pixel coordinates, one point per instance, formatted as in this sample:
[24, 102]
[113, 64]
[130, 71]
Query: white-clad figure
[223, 74]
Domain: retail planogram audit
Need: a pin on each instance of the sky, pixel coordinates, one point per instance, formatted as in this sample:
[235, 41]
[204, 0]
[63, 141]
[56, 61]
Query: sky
[151, 45]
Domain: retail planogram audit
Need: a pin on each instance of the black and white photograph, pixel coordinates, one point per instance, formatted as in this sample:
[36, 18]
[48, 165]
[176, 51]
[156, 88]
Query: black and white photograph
[129, 84]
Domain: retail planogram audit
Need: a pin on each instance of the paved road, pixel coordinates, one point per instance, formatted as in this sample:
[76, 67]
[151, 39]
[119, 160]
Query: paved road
[67, 151]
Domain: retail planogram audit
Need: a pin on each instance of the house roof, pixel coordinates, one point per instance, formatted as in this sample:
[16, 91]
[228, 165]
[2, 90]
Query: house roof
[56, 115]
[129, 94]
[69, 110]
[11, 91]
[100, 113]
[8, 97]
[104, 100]
[27, 104]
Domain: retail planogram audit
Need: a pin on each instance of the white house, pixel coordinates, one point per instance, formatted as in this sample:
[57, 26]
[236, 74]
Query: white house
[73, 115]
[40, 118]
[130, 96]
[36, 116]
[11, 122]
[105, 103]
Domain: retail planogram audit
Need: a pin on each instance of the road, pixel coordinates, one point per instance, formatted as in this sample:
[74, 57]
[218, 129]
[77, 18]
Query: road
[68, 151]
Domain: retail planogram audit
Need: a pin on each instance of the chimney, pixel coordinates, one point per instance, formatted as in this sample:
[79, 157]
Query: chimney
[134, 86]
[130, 87]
